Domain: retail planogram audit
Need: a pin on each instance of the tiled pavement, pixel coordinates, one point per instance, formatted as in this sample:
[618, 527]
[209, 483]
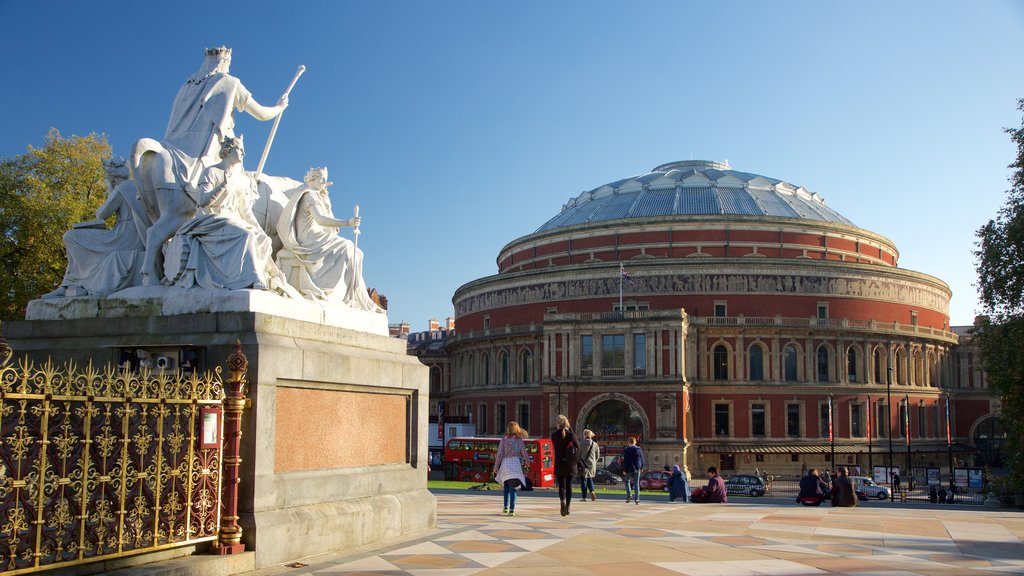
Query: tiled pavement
[618, 539]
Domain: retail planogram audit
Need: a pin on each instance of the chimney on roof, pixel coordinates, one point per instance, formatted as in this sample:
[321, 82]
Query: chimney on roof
[450, 322]
[434, 325]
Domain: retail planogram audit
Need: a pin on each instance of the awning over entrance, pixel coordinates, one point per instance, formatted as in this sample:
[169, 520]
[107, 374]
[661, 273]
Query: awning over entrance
[879, 448]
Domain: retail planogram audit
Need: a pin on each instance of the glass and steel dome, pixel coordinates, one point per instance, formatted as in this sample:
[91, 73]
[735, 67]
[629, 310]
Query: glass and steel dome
[694, 188]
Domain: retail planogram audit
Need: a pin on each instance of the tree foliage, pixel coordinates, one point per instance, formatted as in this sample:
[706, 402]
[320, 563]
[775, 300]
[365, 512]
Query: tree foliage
[42, 193]
[1000, 334]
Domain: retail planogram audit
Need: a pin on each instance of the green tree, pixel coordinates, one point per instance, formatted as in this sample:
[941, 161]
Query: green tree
[1000, 334]
[42, 193]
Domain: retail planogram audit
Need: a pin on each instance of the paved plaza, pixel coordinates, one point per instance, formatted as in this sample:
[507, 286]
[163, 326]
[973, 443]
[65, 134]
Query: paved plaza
[661, 538]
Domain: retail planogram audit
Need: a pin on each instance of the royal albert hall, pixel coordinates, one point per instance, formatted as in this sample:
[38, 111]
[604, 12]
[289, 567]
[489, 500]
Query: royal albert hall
[722, 317]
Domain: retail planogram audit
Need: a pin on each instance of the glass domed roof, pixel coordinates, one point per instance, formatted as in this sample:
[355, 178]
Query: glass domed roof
[694, 188]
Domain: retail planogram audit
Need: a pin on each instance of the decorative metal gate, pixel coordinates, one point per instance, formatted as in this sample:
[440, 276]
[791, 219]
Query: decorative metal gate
[97, 464]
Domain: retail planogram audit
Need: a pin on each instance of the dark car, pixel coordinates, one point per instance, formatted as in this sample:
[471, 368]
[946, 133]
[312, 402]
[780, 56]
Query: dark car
[654, 480]
[604, 476]
[745, 484]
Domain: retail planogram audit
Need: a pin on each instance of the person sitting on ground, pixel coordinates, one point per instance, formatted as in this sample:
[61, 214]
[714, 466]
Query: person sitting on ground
[843, 493]
[714, 492]
[812, 486]
[678, 485]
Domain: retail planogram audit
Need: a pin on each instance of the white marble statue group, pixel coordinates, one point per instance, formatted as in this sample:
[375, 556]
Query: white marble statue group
[189, 215]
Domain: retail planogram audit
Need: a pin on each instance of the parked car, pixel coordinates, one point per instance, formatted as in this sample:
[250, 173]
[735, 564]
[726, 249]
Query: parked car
[868, 486]
[654, 480]
[604, 476]
[746, 484]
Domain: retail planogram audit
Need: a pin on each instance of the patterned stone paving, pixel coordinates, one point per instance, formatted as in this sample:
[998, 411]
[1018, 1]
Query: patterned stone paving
[660, 538]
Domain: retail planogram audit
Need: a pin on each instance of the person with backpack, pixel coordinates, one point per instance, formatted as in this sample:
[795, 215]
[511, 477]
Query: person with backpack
[588, 463]
[510, 463]
[632, 466]
[567, 456]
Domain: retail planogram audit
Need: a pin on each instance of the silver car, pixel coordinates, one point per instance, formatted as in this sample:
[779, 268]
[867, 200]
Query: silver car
[868, 486]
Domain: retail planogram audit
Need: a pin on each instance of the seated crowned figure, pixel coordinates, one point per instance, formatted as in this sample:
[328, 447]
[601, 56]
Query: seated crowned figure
[316, 260]
[223, 247]
[101, 261]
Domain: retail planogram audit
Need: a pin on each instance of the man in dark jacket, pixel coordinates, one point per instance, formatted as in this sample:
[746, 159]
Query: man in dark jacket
[843, 493]
[632, 465]
[812, 486]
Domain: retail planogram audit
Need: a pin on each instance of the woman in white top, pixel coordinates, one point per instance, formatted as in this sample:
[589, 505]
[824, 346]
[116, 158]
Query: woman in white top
[509, 463]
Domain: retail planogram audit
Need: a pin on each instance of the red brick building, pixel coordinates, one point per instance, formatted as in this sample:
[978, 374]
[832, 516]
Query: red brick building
[723, 317]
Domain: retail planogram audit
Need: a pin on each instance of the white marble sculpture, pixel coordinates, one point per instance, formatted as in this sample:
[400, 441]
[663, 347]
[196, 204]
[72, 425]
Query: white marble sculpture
[101, 261]
[316, 260]
[223, 247]
[202, 115]
[196, 233]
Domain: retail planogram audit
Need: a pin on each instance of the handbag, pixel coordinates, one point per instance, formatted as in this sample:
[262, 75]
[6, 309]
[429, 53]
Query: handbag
[528, 487]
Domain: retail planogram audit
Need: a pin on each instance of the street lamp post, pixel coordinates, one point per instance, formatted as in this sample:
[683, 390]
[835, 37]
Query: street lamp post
[871, 463]
[831, 436]
[906, 425]
[888, 429]
[949, 441]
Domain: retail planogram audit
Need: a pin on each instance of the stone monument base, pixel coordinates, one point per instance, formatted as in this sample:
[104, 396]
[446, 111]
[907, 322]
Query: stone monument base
[334, 445]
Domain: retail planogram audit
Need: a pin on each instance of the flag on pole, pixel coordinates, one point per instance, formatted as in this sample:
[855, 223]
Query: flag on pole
[623, 274]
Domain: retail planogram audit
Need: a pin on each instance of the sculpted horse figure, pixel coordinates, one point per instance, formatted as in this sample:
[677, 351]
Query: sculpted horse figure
[170, 205]
[166, 171]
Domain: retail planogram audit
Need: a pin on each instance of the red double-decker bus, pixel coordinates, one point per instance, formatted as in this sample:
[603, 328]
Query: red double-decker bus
[471, 459]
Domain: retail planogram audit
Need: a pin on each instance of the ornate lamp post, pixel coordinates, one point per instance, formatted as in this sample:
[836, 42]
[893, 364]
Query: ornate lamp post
[229, 539]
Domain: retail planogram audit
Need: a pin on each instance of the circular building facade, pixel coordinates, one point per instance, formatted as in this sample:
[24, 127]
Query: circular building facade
[724, 318]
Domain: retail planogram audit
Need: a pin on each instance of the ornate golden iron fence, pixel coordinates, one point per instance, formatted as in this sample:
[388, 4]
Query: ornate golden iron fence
[97, 464]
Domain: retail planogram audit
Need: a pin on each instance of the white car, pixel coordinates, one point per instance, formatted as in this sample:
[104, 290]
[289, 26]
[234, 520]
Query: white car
[868, 486]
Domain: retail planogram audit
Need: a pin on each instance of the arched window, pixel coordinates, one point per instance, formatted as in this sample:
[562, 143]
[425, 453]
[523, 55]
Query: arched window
[852, 366]
[615, 418]
[485, 366]
[527, 367]
[720, 361]
[823, 360]
[901, 367]
[503, 366]
[435, 380]
[789, 363]
[756, 362]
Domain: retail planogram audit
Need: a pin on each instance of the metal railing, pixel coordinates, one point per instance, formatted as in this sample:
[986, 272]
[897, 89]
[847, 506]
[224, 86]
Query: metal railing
[99, 464]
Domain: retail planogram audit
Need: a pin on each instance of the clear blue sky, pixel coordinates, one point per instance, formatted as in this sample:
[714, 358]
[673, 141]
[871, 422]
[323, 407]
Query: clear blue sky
[460, 126]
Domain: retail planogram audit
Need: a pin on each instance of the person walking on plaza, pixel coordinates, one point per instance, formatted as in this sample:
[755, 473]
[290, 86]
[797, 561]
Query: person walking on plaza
[678, 485]
[567, 456]
[590, 452]
[509, 464]
[896, 482]
[843, 493]
[632, 466]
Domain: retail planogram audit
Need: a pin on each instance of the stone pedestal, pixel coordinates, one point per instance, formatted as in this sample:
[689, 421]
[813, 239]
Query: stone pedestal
[334, 445]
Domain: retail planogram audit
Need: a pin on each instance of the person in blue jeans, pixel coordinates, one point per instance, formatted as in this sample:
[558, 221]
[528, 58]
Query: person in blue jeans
[632, 465]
